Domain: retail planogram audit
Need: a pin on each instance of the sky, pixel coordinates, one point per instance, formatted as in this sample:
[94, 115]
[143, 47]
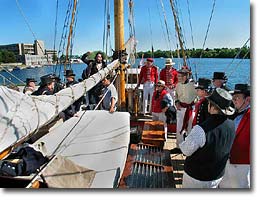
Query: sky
[230, 24]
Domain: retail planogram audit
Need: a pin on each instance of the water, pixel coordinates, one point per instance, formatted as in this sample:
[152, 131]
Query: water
[237, 72]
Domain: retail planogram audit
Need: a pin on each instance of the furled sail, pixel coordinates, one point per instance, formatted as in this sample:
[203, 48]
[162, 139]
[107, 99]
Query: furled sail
[131, 50]
[21, 115]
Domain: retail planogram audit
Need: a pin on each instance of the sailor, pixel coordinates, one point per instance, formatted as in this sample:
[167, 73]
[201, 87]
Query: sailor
[92, 96]
[207, 147]
[237, 173]
[169, 76]
[203, 88]
[219, 80]
[46, 85]
[149, 77]
[70, 77]
[109, 95]
[58, 85]
[161, 94]
[75, 107]
[184, 100]
[30, 86]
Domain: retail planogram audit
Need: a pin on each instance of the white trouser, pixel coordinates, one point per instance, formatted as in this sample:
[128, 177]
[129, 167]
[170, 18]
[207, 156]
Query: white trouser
[236, 176]
[161, 117]
[171, 92]
[148, 90]
[189, 182]
[180, 116]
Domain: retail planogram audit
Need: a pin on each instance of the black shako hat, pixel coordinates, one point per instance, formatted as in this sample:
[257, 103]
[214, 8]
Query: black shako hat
[219, 75]
[28, 80]
[241, 89]
[223, 100]
[203, 83]
[46, 79]
[69, 72]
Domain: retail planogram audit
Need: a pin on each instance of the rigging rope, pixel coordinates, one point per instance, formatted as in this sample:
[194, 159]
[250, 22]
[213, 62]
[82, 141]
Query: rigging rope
[4, 79]
[237, 54]
[206, 36]
[162, 27]
[238, 65]
[151, 33]
[55, 30]
[107, 30]
[15, 77]
[192, 39]
[30, 28]
[64, 35]
[166, 25]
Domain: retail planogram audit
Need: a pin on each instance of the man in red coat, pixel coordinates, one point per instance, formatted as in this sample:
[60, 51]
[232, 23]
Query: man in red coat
[149, 77]
[237, 173]
[169, 76]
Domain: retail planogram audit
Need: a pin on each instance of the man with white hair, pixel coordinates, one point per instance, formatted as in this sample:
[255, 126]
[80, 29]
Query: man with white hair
[237, 173]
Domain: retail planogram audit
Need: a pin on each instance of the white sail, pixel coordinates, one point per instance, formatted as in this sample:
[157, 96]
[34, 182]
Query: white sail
[96, 140]
[21, 114]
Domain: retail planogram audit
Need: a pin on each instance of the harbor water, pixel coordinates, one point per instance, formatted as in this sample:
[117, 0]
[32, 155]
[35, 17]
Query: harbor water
[237, 70]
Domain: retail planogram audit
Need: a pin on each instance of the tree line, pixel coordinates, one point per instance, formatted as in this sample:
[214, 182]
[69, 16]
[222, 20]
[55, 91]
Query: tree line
[197, 53]
[9, 57]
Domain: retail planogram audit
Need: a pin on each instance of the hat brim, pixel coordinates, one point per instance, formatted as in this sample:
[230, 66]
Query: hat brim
[227, 111]
[200, 87]
[159, 85]
[70, 75]
[170, 64]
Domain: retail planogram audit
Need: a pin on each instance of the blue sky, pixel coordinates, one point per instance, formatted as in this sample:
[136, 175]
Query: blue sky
[230, 26]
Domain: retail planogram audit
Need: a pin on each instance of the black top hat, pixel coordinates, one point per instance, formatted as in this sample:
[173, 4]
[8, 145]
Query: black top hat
[203, 83]
[219, 75]
[69, 72]
[241, 89]
[28, 80]
[223, 100]
[46, 79]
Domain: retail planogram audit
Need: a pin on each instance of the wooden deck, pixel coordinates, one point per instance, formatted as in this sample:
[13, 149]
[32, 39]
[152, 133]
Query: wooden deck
[153, 134]
[177, 160]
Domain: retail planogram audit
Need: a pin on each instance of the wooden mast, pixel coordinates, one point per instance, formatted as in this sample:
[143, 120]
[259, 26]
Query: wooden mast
[178, 33]
[70, 34]
[120, 45]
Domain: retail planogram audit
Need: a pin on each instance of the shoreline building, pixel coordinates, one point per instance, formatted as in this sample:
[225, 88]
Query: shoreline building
[31, 54]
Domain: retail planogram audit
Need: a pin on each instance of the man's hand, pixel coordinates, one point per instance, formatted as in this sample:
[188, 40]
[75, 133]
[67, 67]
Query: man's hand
[164, 109]
[112, 109]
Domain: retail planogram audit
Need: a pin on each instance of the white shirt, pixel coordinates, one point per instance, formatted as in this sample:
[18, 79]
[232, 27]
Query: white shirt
[195, 140]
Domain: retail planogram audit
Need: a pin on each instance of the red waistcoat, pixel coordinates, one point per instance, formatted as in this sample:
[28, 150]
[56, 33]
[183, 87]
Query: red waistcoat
[143, 74]
[156, 103]
[240, 152]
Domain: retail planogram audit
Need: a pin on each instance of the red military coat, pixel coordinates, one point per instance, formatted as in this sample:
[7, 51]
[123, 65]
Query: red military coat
[143, 76]
[170, 81]
[240, 152]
